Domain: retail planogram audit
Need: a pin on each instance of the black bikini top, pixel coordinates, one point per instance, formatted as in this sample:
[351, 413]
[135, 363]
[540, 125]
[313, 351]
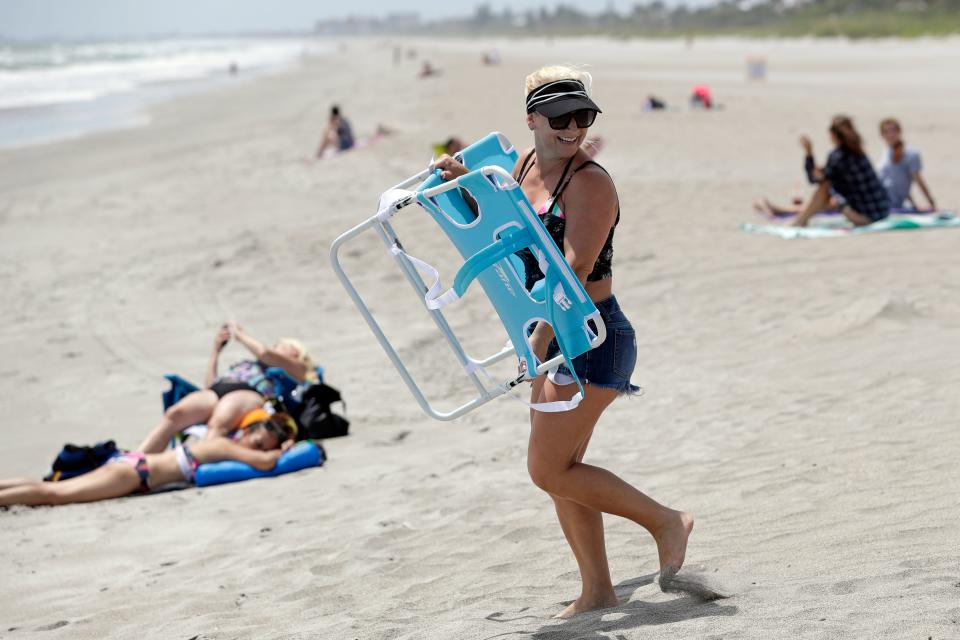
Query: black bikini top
[555, 222]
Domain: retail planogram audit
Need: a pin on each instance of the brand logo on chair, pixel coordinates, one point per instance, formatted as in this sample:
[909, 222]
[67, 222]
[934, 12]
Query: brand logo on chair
[506, 280]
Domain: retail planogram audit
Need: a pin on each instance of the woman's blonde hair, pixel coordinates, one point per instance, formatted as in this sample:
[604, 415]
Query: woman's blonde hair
[552, 73]
[302, 355]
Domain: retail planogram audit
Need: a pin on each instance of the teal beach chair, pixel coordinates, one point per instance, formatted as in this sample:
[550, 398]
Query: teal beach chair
[490, 222]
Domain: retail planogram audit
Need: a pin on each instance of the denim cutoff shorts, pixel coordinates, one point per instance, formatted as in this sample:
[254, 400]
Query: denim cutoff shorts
[608, 366]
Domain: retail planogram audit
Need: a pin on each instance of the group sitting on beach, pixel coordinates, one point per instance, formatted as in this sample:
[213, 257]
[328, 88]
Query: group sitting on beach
[242, 425]
[848, 182]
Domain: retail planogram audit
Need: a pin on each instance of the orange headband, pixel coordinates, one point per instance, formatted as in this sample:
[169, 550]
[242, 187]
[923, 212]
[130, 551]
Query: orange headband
[257, 415]
[261, 415]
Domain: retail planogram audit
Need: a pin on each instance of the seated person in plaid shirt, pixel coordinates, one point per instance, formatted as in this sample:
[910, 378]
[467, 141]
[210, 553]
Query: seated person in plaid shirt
[849, 175]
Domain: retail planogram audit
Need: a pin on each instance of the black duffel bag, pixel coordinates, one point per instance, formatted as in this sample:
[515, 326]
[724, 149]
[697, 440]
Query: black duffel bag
[316, 417]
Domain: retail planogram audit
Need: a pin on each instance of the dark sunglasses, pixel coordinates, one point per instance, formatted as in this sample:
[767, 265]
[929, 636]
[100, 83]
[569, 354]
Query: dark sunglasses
[583, 117]
[281, 426]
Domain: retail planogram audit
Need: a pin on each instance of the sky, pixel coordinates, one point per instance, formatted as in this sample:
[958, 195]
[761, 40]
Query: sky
[41, 19]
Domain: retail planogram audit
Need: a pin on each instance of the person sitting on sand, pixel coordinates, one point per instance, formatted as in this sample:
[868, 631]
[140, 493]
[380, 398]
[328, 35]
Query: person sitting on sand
[490, 58]
[849, 174]
[578, 203]
[451, 146]
[338, 134]
[427, 70]
[259, 445]
[243, 388]
[653, 103]
[701, 97]
[771, 210]
[899, 167]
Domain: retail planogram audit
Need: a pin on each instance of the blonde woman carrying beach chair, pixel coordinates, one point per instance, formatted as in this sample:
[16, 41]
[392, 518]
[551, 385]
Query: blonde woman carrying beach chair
[540, 241]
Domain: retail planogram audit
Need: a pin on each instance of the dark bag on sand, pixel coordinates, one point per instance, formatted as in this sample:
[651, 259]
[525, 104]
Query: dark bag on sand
[75, 460]
[316, 418]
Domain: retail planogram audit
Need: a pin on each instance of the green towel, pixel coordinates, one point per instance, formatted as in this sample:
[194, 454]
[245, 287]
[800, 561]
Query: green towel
[839, 227]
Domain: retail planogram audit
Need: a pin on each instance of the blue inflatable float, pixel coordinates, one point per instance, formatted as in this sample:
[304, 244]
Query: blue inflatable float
[302, 455]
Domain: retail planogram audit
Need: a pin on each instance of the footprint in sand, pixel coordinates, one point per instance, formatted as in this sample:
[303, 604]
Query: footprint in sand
[52, 626]
[695, 583]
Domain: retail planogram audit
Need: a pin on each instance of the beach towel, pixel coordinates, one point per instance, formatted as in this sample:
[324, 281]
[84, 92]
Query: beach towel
[837, 212]
[836, 227]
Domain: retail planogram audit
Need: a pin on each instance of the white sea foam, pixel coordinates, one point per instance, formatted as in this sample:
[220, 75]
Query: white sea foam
[38, 75]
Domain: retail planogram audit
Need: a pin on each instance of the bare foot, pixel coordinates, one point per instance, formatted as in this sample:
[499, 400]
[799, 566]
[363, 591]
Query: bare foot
[672, 543]
[584, 604]
[767, 208]
[763, 207]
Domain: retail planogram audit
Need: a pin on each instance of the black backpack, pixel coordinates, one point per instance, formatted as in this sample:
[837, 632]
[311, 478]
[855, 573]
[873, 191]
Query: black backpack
[75, 460]
[316, 418]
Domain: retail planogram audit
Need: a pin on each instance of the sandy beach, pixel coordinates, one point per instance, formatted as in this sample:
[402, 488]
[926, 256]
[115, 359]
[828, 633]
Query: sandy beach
[800, 396]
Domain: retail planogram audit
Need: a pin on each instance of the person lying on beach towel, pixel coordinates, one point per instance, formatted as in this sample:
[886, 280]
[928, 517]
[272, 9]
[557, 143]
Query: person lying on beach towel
[848, 178]
[258, 445]
[243, 388]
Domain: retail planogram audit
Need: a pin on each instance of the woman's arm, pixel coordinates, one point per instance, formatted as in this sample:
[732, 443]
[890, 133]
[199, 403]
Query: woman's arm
[925, 189]
[219, 449]
[590, 205]
[219, 342]
[814, 173]
[325, 141]
[268, 356]
[450, 168]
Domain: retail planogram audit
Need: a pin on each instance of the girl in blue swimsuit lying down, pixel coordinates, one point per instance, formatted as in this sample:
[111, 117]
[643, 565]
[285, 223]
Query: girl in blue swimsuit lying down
[259, 445]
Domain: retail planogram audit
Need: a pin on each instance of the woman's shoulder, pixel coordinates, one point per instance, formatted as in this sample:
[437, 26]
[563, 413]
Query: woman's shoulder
[589, 173]
[591, 185]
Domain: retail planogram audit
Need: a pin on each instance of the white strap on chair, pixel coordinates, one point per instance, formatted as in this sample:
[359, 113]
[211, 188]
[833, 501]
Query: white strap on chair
[553, 407]
[388, 198]
[556, 406]
[433, 298]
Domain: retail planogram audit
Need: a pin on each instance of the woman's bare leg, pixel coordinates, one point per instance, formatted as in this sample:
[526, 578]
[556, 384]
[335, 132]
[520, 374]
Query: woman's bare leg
[583, 529]
[817, 201]
[112, 480]
[195, 408]
[767, 208]
[9, 483]
[582, 491]
[230, 410]
[856, 218]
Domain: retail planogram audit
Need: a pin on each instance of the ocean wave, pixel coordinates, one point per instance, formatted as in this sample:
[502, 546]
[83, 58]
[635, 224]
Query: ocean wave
[37, 75]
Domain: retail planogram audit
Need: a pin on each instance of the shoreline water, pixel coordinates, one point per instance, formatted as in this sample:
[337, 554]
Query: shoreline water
[51, 92]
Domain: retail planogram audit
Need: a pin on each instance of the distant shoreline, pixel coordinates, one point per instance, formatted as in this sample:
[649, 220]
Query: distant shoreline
[854, 19]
